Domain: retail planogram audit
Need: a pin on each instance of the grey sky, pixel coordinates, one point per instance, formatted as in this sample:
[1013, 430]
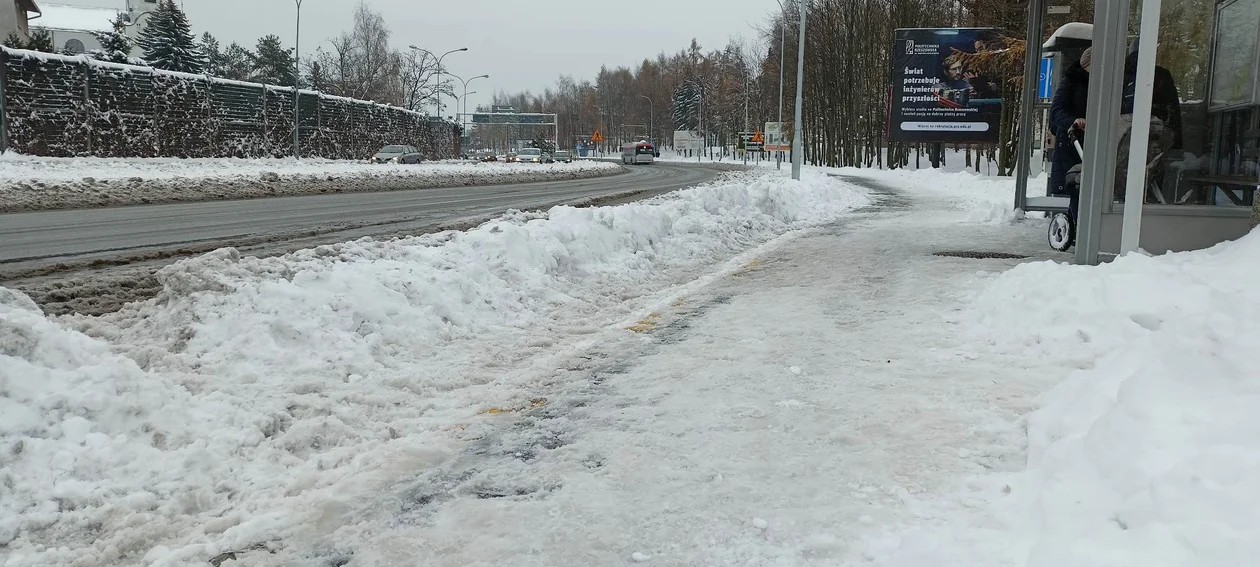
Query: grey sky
[521, 44]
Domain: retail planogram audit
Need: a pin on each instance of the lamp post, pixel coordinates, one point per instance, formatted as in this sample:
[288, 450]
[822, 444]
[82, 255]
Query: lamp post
[297, 90]
[778, 160]
[439, 76]
[651, 118]
[466, 93]
[798, 149]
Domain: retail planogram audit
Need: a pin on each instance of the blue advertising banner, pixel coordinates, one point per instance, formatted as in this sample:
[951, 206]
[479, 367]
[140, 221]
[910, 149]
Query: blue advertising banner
[936, 97]
[1045, 79]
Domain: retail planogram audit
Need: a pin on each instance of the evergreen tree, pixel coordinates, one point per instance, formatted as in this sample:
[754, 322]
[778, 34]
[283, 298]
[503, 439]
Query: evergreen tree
[215, 61]
[273, 64]
[14, 41]
[238, 63]
[168, 42]
[41, 40]
[315, 78]
[115, 45]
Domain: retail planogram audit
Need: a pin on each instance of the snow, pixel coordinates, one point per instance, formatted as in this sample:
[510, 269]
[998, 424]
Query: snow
[15, 168]
[258, 405]
[40, 183]
[76, 18]
[1147, 452]
[747, 373]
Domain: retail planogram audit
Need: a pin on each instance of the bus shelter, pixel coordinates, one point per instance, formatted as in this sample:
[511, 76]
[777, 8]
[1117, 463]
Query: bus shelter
[1193, 186]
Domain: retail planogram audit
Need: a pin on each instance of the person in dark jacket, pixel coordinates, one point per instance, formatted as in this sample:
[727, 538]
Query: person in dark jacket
[1165, 102]
[1067, 111]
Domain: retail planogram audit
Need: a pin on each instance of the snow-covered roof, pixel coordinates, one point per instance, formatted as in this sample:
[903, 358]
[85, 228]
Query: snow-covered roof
[79, 18]
[1070, 35]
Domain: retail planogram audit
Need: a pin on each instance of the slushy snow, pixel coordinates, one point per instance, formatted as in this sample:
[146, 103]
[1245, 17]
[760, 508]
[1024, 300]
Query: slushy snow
[225, 414]
[1145, 455]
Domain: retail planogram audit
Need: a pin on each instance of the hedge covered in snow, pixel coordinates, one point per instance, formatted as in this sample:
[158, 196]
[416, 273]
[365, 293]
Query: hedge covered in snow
[55, 105]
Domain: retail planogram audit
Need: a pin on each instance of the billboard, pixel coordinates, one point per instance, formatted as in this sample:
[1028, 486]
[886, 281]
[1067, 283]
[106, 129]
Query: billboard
[938, 94]
[687, 140]
[775, 141]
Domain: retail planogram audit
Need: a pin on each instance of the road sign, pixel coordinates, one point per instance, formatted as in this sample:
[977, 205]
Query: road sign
[774, 138]
[1045, 78]
[759, 137]
[687, 140]
[597, 137]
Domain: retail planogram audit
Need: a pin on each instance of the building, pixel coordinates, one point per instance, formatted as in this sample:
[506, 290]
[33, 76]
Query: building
[73, 27]
[15, 19]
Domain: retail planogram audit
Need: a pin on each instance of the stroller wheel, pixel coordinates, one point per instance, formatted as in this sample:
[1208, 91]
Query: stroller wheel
[1062, 232]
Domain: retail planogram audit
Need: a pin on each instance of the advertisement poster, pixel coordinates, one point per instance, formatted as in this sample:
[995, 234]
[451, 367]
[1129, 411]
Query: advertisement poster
[937, 93]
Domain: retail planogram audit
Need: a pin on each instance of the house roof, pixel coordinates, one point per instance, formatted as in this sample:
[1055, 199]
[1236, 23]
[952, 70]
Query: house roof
[79, 18]
[28, 6]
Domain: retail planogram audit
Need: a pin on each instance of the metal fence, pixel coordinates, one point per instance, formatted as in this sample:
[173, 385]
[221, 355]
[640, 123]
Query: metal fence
[54, 105]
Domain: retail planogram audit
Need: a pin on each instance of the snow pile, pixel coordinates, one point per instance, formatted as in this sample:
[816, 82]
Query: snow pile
[260, 398]
[1149, 455]
[40, 183]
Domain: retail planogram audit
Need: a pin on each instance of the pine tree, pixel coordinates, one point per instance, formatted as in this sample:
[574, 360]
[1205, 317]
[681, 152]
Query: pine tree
[238, 63]
[315, 79]
[214, 58]
[273, 63]
[41, 40]
[168, 42]
[14, 41]
[115, 45]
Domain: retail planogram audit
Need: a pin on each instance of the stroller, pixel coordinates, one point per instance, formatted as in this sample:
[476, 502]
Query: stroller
[1062, 231]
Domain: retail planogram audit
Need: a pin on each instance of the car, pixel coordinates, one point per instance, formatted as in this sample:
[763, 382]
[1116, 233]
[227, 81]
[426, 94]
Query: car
[489, 156]
[397, 154]
[510, 157]
[563, 156]
[531, 155]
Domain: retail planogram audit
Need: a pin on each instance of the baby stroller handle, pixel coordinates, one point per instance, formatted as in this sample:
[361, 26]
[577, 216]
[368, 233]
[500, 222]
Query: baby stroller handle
[1076, 142]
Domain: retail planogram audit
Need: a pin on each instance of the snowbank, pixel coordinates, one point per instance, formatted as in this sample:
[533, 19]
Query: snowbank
[1146, 456]
[262, 398]
[39, 183]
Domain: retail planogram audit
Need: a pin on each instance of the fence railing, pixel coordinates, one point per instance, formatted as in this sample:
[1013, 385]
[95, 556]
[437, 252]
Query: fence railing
[55, 105]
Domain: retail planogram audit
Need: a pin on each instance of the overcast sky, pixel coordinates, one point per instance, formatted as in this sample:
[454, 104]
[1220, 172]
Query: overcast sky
[521, 44]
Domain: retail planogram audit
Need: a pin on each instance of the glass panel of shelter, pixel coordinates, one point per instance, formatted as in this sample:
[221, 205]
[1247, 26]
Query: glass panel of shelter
[1205, 139]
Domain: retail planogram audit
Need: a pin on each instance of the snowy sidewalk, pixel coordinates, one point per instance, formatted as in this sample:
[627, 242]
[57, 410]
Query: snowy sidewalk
[773, 417]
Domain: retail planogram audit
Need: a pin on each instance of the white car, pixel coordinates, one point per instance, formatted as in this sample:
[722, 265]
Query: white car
[530, 155]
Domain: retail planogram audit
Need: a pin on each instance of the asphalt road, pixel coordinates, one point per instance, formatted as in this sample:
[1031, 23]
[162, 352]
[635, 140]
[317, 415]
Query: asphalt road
[83, 235]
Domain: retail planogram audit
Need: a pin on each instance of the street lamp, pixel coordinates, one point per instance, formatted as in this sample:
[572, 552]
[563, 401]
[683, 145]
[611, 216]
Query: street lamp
[297, 91]
[466, 93]
[798, 147]
[651, 118]
[439, 76]
[778, 155]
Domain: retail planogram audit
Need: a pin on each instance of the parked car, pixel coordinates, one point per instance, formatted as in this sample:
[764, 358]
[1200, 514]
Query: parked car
[530, 155]
[397, 154]
[563, 156]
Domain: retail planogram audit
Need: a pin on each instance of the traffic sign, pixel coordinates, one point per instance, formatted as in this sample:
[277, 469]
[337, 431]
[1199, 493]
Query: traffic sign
[597, 137]
[1045, 78]
[759, 137]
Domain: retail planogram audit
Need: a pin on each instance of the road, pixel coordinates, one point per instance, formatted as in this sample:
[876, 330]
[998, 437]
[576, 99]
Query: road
[32, 239]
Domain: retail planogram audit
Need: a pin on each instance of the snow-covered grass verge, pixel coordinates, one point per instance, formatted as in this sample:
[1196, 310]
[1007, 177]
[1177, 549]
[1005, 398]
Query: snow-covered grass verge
[38, 183]
[258, 398]
[1147, 454]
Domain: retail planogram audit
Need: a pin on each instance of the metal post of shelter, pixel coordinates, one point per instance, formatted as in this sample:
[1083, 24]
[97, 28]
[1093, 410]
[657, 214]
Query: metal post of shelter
[1032, 56]
[1111, 21]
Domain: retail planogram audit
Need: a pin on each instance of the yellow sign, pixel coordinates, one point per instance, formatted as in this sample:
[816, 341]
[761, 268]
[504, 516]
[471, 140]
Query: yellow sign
[759, 137]
[597, 137]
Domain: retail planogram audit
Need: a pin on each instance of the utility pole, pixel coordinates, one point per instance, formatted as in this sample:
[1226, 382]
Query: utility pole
[651, 119]
[778, 155]
[297, 90]
[798, 149]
